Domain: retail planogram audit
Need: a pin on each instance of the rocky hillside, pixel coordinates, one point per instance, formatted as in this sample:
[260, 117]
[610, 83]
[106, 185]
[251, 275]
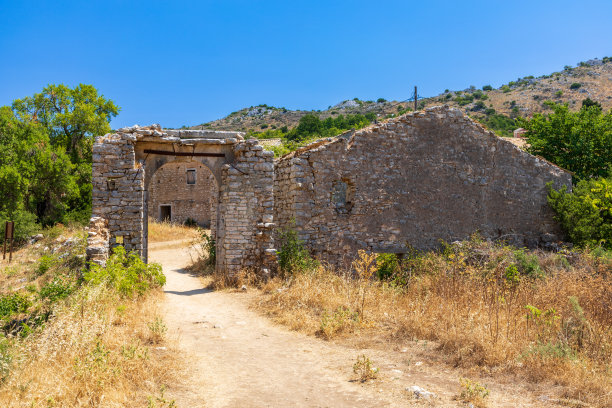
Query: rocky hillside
[494, 107]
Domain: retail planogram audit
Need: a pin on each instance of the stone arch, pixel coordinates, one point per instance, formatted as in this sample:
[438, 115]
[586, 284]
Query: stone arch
[190, 190]
[125, 164]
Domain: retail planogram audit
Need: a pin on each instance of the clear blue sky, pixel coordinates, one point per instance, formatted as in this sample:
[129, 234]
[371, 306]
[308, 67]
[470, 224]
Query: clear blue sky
[179, 62]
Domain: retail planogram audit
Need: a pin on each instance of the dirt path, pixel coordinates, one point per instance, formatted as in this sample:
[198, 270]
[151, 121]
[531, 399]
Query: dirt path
[238, 358]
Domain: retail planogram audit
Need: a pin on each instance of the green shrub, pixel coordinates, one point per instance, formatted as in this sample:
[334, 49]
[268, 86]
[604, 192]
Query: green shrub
[57, 289]
[210, 248]
[13, 303]
[44, 264]
[126, 273]
[527, 265]
[487, 88]
[386, 265]
[586, 213]
[505, 89]
[575, 85]
[293, 257]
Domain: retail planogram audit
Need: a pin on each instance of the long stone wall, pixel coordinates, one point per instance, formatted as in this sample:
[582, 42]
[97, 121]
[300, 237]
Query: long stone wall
[405, 183]
[411, 182]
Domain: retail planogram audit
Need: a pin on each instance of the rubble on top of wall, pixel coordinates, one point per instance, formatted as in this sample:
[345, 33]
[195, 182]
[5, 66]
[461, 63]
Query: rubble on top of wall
[155, 133]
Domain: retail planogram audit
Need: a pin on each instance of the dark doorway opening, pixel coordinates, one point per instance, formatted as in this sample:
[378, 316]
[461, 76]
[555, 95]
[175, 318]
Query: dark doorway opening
[165, 213]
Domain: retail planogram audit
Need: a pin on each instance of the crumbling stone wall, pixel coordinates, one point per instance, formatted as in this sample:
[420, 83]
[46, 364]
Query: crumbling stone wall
[98, 241]
[246, 210]
[188, 201]
[411, 182]
[118, 189]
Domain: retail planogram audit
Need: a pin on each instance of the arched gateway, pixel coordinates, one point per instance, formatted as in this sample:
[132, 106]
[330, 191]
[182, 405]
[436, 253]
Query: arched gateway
[124, 164]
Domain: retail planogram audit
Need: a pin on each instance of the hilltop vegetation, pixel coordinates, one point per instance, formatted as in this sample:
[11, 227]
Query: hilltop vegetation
[495, 108]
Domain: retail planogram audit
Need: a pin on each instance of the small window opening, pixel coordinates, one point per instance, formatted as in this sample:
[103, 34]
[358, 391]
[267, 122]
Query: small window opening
[342, 196]
[191, 176]
[111, 184]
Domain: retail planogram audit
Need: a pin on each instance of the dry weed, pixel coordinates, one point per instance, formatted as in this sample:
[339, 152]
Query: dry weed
[167, 231]
[92, 353]
[542, 318]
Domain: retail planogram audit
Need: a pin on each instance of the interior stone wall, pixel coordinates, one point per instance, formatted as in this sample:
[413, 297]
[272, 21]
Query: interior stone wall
[411, 182]
[169, 186]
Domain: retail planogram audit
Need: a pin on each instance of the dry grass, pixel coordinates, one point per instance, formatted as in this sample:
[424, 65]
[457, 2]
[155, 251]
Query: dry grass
[480, 313]
[97, 351]
[167, 231]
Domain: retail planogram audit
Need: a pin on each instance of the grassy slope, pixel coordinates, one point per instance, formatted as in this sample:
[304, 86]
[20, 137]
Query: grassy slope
[89, 346]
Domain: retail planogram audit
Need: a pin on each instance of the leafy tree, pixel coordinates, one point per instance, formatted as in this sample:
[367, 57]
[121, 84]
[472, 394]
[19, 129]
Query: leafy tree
[586, 213]
[487, 88]
[71, 115]
[308, 125]
[577, 141]
[35, 177]
[71, 118]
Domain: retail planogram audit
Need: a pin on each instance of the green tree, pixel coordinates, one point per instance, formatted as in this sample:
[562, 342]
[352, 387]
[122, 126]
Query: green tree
[72, 116]
[34, 176]
[577, 141]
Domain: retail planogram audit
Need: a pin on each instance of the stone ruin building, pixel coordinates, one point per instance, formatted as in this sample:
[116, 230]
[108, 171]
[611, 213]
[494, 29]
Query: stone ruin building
[409, 182]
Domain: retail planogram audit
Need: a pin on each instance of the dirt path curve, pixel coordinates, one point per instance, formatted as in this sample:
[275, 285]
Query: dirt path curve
[237, 358]
[241, 359]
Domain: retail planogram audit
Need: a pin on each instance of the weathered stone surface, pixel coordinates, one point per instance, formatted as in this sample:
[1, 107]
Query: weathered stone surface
[411, 182]
[169, 187]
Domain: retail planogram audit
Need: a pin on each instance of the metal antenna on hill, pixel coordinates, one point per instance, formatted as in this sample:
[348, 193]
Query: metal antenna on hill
[416, 98]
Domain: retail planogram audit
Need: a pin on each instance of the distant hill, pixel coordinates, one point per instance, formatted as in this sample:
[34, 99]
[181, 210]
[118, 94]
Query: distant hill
[496, 108]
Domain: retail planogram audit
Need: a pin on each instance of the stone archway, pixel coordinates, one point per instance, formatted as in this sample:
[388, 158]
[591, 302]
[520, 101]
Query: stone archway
[124, 164]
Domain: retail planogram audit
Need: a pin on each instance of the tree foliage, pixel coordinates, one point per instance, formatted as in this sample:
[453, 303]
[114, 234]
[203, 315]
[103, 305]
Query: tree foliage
[580, 142]
[34, 175]
[311, 125]
[45, 154]
[72, 116]
[586, 213]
